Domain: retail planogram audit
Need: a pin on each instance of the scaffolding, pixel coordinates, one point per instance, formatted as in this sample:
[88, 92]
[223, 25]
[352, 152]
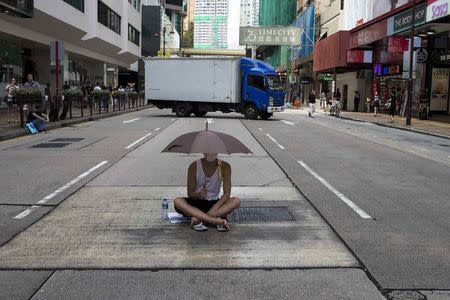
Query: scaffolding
[276, 12]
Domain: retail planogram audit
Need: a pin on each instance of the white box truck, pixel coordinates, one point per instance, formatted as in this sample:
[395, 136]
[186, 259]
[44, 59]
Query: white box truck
[202, 85]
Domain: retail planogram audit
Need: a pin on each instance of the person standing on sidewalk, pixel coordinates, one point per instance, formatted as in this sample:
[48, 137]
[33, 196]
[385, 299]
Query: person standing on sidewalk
[10, 88]
[356, 100]
[376, 103]
[312, 103]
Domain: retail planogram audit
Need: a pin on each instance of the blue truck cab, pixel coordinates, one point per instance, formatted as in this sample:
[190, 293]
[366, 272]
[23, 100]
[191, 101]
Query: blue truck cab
[262, 92]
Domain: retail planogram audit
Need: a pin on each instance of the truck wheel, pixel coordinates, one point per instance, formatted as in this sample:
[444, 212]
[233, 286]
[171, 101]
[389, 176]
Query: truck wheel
[200, 113]
[265, 115]
[251, 112]
[183, 110]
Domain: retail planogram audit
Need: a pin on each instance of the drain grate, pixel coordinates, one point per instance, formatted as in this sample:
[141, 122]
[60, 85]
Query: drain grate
[50, 145]
[444, 145]
[66, 140]
[262, 214]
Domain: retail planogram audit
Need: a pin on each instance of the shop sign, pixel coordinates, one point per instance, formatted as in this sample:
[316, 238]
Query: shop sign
[397, 45]
[383, 71]
[403, 21]
[359, 56]
[270, 35]
[437, 9]
[422, 55]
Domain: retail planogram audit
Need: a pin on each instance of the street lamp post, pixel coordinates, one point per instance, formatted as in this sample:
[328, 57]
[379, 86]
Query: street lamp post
[411, 62]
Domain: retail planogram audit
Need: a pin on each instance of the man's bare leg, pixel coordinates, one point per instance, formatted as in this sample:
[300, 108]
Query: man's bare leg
[229, 206]
[194, 212]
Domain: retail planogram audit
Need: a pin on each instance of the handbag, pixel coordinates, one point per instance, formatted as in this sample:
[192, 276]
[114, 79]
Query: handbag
[388, 104]
[31, 128]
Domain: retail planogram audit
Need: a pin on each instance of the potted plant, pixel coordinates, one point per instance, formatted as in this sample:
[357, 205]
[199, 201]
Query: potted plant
[73, 94]
[24, 96]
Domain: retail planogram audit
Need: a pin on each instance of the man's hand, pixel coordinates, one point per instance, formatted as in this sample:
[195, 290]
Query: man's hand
[203, 193]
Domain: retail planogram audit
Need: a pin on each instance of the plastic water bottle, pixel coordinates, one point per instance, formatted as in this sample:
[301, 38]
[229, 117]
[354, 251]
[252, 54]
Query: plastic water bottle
[165, 209]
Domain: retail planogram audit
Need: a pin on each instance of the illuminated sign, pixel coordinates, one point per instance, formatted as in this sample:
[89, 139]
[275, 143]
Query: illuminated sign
[382, 71]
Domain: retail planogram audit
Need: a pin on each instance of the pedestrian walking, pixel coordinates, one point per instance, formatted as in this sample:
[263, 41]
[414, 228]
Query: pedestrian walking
[312, 103]
[66, 86]
[356, 100]
[392, 104]
[376, 103]
[10, 88]
[323, 100]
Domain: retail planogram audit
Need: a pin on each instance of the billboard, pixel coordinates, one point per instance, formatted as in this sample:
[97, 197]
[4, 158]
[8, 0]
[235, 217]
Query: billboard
[437, 9]
[269, 35]
[381, 7]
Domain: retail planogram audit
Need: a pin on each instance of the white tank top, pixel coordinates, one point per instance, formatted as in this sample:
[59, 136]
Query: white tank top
[212, 184]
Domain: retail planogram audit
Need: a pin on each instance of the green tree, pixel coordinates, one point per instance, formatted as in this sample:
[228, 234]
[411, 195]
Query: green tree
[188, 37]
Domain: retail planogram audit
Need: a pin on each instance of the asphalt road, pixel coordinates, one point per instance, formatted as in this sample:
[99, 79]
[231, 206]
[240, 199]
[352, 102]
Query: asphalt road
[370, 208]
[399, 179]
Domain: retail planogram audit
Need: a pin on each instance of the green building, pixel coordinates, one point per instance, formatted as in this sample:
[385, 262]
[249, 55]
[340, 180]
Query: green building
[276, 12]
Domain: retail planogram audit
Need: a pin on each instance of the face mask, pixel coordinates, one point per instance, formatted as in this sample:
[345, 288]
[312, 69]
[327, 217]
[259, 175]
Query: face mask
[210, 157]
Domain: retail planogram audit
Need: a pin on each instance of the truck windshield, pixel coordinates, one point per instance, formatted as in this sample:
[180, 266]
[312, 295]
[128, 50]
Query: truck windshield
[274, 82]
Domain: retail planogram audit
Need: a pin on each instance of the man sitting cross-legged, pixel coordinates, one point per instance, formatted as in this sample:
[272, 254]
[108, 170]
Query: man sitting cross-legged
[203, 204]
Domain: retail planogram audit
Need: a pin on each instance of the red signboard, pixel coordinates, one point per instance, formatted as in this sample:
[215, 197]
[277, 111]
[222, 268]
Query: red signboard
[397, 45]
[359, 56]
[369, 34]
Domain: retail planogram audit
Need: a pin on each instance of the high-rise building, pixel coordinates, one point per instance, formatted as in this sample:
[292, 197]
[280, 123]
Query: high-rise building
[211, 24]
[249, 13]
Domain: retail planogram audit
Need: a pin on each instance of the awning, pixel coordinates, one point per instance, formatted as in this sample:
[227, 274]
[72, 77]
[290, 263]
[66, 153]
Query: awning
[331, 52]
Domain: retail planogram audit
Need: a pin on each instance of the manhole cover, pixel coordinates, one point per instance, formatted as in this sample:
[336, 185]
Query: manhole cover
[66, 140]
[50, 145]
[261, 214]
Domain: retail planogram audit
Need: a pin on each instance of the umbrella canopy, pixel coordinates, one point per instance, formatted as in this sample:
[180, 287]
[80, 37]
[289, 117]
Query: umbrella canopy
[206, 141]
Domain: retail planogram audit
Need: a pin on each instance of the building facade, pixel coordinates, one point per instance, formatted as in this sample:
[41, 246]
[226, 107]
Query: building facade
[211, 24]
[249, 13]
[97, 37]
[370, 54]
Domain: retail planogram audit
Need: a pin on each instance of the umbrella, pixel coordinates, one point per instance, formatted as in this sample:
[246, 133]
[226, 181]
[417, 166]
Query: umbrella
[206, 141]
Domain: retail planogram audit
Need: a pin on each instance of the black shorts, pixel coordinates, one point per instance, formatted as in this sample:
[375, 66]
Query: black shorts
[203, 205]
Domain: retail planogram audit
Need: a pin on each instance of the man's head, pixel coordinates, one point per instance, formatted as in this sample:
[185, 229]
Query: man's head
[38, 107]
[65, 82]
[210, 157]
[13, 81]
[30, 77]
[313, 92]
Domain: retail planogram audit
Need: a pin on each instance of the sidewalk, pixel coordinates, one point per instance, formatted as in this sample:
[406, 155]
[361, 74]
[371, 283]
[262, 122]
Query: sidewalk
[12, 130]
[436, 126]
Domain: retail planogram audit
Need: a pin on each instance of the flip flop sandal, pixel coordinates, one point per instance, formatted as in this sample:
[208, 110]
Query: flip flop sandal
[223, 228]
[199, 227]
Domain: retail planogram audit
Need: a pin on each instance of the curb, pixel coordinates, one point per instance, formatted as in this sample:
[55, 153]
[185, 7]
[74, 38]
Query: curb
[400, 128]
[22, 132]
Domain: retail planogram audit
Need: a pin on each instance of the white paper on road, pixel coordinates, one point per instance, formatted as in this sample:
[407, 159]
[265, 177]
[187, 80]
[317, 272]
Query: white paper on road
[177, 218]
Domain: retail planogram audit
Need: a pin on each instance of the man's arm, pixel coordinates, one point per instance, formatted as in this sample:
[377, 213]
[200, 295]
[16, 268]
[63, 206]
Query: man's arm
[191, 181]
[37, 116]
[226, 176]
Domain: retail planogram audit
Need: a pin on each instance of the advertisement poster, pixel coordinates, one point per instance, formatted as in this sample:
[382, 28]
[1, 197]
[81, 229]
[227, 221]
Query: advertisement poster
[439, 89]
[381, 7]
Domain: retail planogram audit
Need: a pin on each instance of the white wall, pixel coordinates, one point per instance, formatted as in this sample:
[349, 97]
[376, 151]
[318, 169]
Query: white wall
[353, 84]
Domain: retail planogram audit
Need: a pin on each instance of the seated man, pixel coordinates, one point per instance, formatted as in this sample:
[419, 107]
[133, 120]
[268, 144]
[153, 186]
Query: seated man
[203, 186]
[38, 118]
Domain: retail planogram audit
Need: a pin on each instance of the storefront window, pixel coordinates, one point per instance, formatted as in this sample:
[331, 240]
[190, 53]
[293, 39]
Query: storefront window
[10, 62]
[108, 17]
[78, 4]
[439, 90]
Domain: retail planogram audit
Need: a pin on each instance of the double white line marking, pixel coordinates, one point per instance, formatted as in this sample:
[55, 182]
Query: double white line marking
[60, 190]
